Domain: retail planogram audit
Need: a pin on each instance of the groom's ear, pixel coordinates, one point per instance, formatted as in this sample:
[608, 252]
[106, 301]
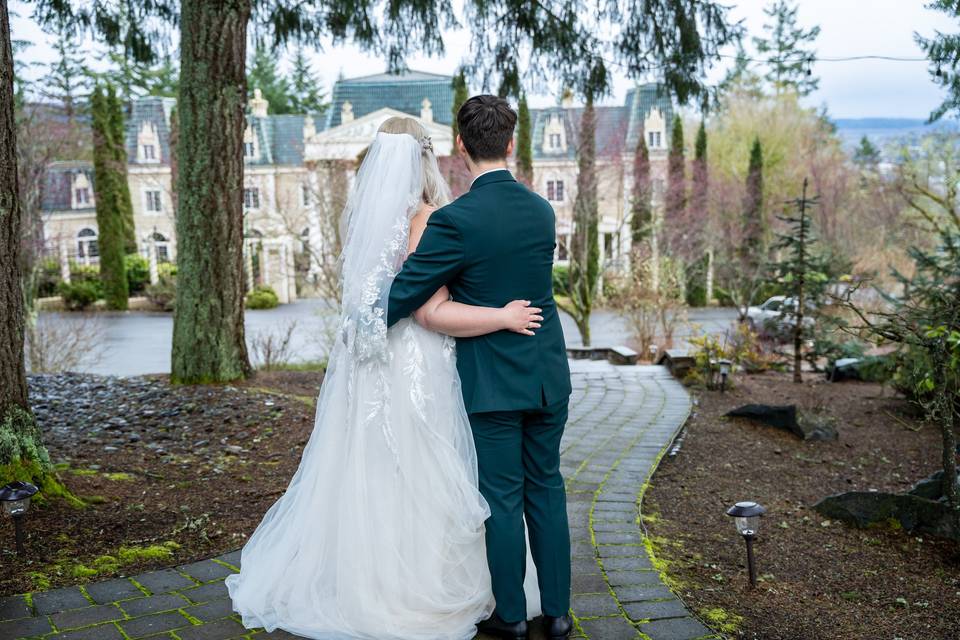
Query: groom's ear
[510, 148]
[462, 148]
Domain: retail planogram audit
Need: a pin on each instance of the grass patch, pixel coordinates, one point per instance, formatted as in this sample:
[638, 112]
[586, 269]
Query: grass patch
[721, 619]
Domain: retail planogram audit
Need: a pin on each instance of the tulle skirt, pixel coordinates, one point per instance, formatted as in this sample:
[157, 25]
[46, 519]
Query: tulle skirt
[379, 535]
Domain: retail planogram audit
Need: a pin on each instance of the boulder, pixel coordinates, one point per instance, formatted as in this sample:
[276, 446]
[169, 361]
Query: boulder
[913, 513]
[785, 417]
[930, 487]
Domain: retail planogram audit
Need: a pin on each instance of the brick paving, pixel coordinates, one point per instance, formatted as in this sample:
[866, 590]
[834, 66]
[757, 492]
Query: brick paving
[622, 419]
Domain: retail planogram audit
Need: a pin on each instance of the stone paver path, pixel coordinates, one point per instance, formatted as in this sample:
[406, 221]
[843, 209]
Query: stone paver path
[622, 419]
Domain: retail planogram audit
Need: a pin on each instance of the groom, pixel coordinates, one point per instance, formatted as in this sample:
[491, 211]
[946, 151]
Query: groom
[493, 245]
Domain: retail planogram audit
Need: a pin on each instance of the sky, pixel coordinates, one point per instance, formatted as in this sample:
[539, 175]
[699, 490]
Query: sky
[858, 89]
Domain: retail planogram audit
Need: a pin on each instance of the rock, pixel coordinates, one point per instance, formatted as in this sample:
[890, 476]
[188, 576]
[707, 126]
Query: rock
[913, 513]
[110, 448]
[785, 417]
[844, 369]
[931, 487]
[234, 448]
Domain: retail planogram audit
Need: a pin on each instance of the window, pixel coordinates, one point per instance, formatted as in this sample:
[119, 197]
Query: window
[162, 246]
[609, 246]
[555, 190]
[154, 204]
[87, 244]
[654, 141]
[251, 198]
[248, 151]
[149, 152]
[554, 140]
[82, 196]
[305, 195]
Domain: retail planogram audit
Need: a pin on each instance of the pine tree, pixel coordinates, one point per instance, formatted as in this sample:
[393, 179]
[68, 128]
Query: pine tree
[162, 79]
[754, 224]
[585, 245]
[866, 155]
[943, 51]
[788, 51]
[700, 275]
[265, 75]
[460, 95]
[67, 78]
[676, 173]
[108, 176]
[800, 271]
[700, 186]
[524, 147]
[306, 96]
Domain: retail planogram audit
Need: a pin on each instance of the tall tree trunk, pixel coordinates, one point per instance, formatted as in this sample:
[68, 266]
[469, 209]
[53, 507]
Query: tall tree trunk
[208, 336]
[13, 378]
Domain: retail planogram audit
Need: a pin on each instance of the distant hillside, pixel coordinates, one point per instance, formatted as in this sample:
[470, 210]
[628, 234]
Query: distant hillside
[884, 131]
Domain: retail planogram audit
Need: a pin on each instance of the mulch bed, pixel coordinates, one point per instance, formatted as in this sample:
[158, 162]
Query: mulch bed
[171, 474]
[819, 579]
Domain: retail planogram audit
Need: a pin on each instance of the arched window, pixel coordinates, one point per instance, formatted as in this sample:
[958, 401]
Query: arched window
[161, 245]
[87, 248]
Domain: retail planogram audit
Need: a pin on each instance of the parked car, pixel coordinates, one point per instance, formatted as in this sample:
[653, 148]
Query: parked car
[776, 317]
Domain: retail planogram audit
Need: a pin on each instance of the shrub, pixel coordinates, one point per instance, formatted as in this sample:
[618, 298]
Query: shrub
[263, 297]
[84, 273]
[163, 294]
[138, 273]
[48, 278]
[79, 295]
[561, 280]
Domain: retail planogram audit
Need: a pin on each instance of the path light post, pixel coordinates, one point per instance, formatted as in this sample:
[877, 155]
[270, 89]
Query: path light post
[724, 372]
[16, 501]
[746, 517]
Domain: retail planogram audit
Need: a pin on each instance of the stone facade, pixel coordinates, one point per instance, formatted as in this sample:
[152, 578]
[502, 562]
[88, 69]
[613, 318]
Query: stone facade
[292, 161]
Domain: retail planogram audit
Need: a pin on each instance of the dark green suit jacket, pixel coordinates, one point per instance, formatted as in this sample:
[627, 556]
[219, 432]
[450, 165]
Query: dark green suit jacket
[492, 245]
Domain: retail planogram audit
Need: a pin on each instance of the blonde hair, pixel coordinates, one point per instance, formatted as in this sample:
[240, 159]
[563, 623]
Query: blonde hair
[436, 193]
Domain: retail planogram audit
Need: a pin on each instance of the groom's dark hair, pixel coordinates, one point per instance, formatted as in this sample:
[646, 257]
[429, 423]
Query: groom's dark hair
[486, 127]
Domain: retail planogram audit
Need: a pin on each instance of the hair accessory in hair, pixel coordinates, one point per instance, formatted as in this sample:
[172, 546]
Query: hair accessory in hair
[426, 143]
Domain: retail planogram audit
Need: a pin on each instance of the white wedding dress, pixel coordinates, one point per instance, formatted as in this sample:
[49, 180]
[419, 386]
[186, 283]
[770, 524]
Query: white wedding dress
[379, 535]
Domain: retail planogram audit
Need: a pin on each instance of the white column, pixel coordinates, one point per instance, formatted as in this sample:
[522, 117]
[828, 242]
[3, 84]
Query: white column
[64, 262]
[152, 257]
[314, 235]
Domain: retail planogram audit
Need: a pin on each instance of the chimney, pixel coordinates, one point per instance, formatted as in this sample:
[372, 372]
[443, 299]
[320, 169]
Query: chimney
[258, 106]
[566, 100]
[346, 113]
[426, 111]
[309, 129]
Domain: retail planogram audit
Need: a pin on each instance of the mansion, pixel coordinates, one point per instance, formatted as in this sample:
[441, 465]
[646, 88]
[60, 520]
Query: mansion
[292, 163]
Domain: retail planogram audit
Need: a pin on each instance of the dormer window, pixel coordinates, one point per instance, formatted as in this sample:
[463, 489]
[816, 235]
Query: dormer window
[554, 140]
[251, 148]
[82, 195]
[147, 141]
[654, 141]
[81, 192]
[554, 134]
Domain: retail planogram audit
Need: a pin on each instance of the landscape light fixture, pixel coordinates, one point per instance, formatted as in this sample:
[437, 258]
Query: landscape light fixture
[16, 501]
[725, 367]
[746, 517]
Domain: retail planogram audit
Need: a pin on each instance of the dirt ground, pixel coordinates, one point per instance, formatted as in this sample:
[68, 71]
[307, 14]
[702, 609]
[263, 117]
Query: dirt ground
[170, 474]
[819, 579]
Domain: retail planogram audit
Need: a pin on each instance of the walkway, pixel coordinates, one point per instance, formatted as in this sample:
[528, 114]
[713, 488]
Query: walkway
[621, 421]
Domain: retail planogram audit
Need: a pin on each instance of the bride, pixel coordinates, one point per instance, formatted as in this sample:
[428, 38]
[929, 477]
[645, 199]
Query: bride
[379, 535]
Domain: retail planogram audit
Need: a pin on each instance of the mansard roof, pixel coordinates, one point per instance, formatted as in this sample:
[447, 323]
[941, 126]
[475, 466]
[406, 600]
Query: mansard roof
[155, 110]
[58, 182]
[641, 100]
[402, 91]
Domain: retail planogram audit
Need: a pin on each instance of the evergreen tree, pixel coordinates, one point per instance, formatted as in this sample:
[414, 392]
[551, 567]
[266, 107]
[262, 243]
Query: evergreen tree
[676, 173]
[460, 95]
[111, 216]
[800, 271]
[700, 186]
[524, 147]
[943, 51]
[788, 50]
[641, 205]
[740, 76]
[754, 224]
[866, 155]
[265, 75]
[67, 78]
[585, 245]
[162, 79]
[306, 96]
